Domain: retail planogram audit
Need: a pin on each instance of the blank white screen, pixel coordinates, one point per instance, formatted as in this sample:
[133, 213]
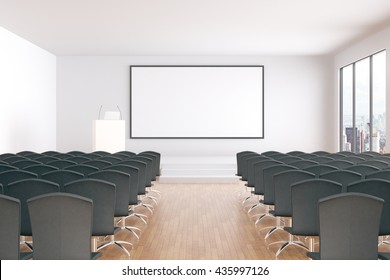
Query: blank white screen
[196, 102]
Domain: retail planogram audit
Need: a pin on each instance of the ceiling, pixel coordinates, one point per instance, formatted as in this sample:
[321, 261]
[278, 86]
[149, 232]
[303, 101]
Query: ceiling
[193, 27]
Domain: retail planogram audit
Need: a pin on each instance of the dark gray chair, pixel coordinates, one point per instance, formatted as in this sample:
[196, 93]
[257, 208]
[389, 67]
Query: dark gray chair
[45, 159]
[101, 153]
[348, 227]
[320, 169]
[111, 159]
[51, 153]
[355, 159]
[79, 159]
[92, 156]
[125, 153]
[40, 169]
[346, 153]
[24, 190]
[158, 160]
[303, 163]
[380, 174]
[14, 175]
[14, 158]
[295, 153]
[343, 177]
[337, 156]
[62, 177]
[366, 156]
[10, 229]
[242, 166]
[133, 193]
[6, 167]
[363, 169]
[340, 163]
[102, 194]
[259, 182]
[63, 156]
[250, 169]
[122, 183]
[61, 163]
[6, 155]
[282, 193]
[68, 234]
[376, 163]
[21, 164]
[322, 159]
[270, 154]
[76, 153]
[304, 206]
[321, 153]
[379, 188]
[288, 158]
[239, 160]
[25, 153]
[269, 188]
[101, 164]
[84, 169]
[142, 191]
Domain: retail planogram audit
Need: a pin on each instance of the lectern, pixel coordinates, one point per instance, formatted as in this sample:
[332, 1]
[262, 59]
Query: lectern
[109, 135]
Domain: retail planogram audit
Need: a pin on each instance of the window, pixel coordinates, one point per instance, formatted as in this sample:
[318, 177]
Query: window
[363, 105]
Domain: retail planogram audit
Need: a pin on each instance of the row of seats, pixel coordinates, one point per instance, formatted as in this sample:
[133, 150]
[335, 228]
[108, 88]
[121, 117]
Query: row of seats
[50, 192]
[290, 185]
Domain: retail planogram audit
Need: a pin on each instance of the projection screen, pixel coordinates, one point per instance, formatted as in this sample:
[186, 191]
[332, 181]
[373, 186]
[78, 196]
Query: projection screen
[179, 102]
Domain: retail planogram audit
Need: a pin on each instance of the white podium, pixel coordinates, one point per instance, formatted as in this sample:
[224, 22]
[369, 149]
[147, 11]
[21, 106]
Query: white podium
[109, 135]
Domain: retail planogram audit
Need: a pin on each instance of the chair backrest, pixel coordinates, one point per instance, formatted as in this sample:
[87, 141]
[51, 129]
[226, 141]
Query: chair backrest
[259, 174]
[270, 154]
[111, 159]
[239, 157]
[320, 169]
[40, 169]
[376, 163]
[155, 166]
[141, 166]
[68, 234]
[303, 163]
[51, 153]
[101, 164]
[149, 168]
[63, 156]
[21, 164]
[304, 204]
[249, 170]
[6, 167]
[337, 156]
[349, 226]
[102, 194]
[84, 169]
[379, 188]
[92, 156]
[322, 159]
[242, 166]
[366, 156]
[11, 176]
[321, 153]
[6, 155]
[101, 153]
[288, 158]
[343, 177]
[363, 169]
[355, 159]
[295, 153]
[45, 159]
[9, 227]
[25, 189]
[13, 159]
[62, 177]
[134, 175]
[340, 163]
[268, 181]
[61, 163]
[126, 153]
[76, 153]
[380, 174]
[121, 180]
[79, 159]
[282, 189]
[1, 189]
[158, 159]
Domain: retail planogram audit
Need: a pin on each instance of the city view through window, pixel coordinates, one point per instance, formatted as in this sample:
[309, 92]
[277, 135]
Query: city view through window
[363, 104]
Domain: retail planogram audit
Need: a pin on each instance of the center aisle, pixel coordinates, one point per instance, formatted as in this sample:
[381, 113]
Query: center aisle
[202, 221]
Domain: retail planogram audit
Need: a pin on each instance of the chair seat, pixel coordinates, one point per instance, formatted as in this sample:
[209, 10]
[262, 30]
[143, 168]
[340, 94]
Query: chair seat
[313, 255]
[384, 256]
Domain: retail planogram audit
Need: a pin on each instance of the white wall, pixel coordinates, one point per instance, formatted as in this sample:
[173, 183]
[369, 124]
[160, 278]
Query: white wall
[298, 103]
[27, 96]
[361, 49]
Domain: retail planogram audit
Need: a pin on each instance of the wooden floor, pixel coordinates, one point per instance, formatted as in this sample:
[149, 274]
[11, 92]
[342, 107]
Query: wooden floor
[202, 221]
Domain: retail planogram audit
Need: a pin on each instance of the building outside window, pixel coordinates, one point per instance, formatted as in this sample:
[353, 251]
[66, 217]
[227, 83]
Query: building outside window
[363, 105]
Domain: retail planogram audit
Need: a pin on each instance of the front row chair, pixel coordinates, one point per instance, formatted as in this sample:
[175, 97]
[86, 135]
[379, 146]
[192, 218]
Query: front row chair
[349, 226]
[10, 229]
[68, 235]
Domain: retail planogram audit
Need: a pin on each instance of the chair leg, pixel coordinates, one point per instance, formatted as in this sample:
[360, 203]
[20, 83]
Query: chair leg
[117, 243]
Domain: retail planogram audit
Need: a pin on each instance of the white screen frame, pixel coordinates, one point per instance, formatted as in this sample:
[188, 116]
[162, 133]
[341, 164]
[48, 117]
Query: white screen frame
[235, 107]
